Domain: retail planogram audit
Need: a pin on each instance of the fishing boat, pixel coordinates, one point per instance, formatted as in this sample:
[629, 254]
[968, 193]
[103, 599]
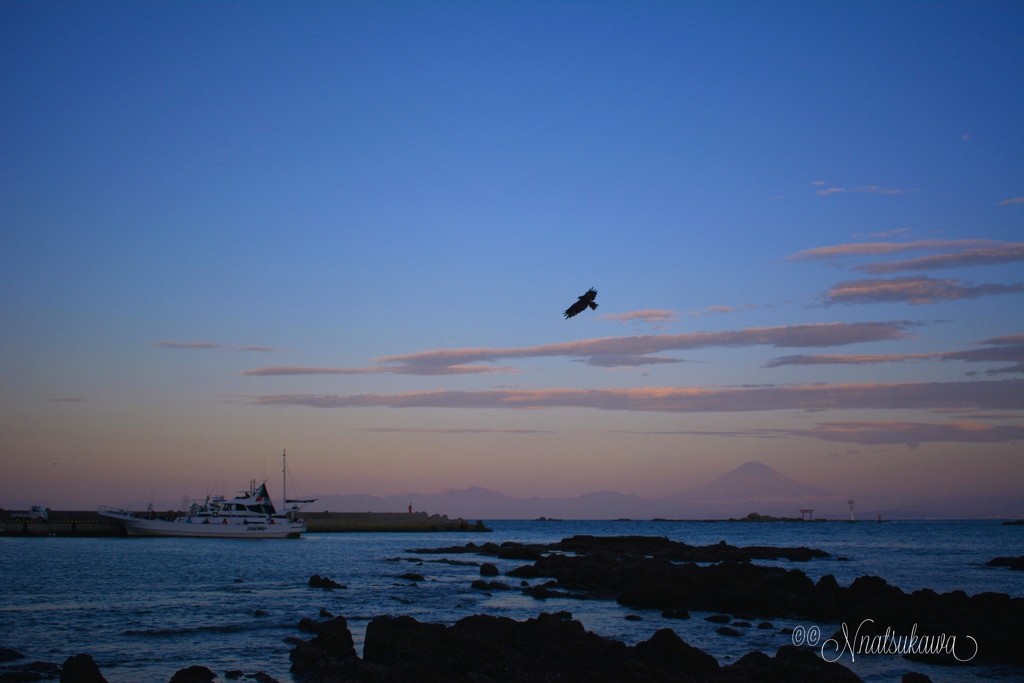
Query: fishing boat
[250, 514]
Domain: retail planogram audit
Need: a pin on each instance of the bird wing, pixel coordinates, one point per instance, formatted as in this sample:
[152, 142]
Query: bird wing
[576, 308]
[590, 295]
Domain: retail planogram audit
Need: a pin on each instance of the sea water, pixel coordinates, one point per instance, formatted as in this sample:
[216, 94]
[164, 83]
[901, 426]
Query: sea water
[146, 607]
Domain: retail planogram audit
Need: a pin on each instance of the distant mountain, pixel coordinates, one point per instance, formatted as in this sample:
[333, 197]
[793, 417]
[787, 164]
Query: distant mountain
[751, 487]
[752, 481]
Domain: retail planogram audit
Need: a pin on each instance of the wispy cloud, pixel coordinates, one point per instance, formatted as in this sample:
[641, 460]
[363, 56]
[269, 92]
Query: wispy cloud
[1003, 350]
[209, 346]
[875, 189]
[719, 310]
[419, 430]
[275, 371]
[876, 248]
[1015, 200]
[645, 316]
[891, 233]
[789, 336]
[1009, 253]
[876, 433]
[831, 190]
[912, 290]
[994, 395]
[627, 361]
[818, 182]
[64, 400]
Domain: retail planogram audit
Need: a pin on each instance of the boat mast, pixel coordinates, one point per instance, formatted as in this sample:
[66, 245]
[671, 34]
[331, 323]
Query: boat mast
[284, 479]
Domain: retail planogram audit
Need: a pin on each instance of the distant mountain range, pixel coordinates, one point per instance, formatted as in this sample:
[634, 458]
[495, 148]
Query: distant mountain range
[751, 487]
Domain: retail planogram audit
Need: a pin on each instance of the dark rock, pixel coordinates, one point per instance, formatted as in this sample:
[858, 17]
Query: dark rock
[261, 677]
[307, 625]
[20, 677]
[42, 667]
[524, 583]
[719, 618]
[741, 624]
[563, 614]
[193, 674]
[81, 669]
[766, 624]
[789, 665]
[675, 614]
[914, 677]
[325, 654]
[634, 617]
[410, 576]
[668, 651]
[786, 631]
[842, 559]
[519, 554]
[499, 586]
[260, 613]
[1015, 563]
[727, 631]
[239, 581]
[233, 673]
[480, 584]
[9, 655]
[488, 570]
[324, 614]
[317, 581]
[648, 574]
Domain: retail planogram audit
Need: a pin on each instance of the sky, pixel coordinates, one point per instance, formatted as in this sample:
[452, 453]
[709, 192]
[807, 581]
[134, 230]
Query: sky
[349, 230]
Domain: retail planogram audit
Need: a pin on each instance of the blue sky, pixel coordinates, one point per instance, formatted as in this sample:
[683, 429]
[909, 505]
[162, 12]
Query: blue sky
[350, 181]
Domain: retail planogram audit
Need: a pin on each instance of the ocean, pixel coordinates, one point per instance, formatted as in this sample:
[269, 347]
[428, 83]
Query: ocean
[146, 607]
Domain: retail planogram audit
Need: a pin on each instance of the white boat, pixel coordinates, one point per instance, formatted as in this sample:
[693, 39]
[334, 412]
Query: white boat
[250, 514]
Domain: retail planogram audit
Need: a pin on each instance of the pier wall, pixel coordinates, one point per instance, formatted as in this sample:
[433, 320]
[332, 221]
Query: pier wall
[87, 523]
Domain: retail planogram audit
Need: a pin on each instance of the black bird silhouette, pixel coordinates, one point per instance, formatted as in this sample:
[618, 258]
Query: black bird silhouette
[582, 303]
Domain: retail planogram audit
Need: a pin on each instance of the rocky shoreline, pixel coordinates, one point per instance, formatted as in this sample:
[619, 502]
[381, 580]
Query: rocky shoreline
[641, 573]
[655, 573]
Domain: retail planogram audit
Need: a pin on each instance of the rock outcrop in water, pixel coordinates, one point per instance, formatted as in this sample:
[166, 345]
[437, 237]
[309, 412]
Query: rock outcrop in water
[81, 669]
[653, 546]
[193, 674]
[551, 648]
[1016, 563]
[654, 573]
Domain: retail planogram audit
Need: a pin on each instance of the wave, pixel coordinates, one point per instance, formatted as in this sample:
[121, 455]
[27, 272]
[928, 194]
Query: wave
[223, 628]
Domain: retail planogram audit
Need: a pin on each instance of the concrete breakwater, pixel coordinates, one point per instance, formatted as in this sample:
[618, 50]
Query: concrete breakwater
[386, 521]
[88, 523]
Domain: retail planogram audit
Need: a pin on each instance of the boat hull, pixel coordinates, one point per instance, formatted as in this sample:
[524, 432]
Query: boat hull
[160, 527]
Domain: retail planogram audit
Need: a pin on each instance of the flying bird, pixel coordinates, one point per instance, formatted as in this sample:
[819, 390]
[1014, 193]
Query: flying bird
[582, 303]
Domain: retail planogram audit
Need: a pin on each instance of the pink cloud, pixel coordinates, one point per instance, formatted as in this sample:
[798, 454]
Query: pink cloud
[995, 395]
[1009, 253]
[789, 336]
[1009, 351]
[876, 248]
[916, 290]
[415, 430]
[645, 316]
[831, 190]
[878, 433]
[1015, 200]
[387, 369]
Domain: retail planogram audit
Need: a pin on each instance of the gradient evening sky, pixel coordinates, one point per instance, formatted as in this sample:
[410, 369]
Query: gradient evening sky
[190, 192]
